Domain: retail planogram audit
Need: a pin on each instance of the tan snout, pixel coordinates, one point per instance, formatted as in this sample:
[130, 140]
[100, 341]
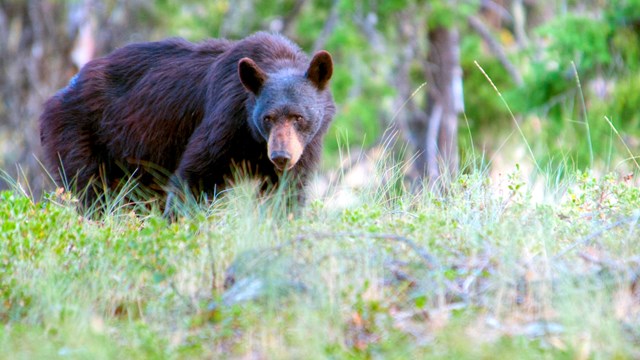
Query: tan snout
[284, 146]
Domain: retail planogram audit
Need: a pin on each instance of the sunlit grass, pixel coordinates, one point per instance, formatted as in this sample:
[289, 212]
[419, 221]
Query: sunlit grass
[481, 270]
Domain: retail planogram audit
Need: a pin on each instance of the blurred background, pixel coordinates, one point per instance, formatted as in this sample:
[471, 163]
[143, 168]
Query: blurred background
[413, 71]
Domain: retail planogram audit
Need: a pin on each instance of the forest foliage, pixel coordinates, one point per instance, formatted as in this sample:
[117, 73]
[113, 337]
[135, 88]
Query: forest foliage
[561, 67]
[571, 50]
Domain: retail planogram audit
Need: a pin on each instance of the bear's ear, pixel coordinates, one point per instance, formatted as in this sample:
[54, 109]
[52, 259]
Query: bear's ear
[320, 69]
[251, 76]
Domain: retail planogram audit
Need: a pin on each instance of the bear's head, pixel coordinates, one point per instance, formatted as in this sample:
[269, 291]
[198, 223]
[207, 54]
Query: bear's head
[289, 106]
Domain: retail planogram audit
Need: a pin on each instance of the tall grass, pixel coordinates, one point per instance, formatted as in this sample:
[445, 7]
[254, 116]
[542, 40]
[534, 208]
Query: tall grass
[478, 271]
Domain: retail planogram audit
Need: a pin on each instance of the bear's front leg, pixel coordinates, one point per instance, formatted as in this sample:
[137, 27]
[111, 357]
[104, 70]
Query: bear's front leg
[196, 172]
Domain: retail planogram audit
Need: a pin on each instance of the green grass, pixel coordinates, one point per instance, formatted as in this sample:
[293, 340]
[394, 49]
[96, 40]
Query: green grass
[484, 271]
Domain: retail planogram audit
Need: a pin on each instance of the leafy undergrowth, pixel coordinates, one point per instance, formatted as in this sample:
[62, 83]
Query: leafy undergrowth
[481, 272]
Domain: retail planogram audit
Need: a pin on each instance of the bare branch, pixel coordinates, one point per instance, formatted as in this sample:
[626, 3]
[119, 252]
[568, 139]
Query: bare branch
[291, 16]
[479, 27]
[633, 220]
[329, 25]
[430, 261]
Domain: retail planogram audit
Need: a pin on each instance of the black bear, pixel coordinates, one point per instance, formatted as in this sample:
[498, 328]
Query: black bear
[198, 111]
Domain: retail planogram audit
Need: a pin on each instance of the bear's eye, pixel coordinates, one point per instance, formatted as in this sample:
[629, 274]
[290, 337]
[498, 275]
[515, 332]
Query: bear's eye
[267, 119]
[299, 119]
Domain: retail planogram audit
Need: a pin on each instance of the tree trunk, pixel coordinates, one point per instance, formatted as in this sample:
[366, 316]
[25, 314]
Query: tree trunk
[437, 157]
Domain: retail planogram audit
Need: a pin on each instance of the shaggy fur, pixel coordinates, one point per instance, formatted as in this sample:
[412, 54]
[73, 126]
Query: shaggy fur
[197, 111]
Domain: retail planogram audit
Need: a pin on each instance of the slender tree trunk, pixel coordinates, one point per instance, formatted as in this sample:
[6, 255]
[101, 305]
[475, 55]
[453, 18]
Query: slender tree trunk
[437, 157]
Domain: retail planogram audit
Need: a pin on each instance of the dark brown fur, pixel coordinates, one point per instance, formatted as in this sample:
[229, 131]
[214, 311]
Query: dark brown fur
[173, 107]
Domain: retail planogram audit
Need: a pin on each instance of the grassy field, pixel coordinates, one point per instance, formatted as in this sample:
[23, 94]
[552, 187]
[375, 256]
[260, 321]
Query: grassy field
[484, 271]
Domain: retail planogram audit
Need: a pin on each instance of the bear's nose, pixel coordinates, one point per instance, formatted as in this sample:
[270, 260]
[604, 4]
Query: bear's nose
[280, 159]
